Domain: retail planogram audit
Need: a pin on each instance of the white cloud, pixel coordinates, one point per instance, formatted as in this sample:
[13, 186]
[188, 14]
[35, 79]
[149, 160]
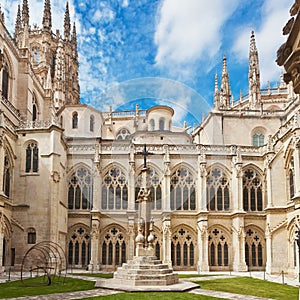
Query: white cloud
[268, 38]
[190, 30]
[125, 3]
[36, 8]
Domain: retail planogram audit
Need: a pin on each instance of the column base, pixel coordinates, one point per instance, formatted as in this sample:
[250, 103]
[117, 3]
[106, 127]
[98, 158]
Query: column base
[202, 267]
[94, 267]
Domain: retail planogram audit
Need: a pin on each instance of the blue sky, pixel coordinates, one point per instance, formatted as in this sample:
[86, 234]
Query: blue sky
[166, 51]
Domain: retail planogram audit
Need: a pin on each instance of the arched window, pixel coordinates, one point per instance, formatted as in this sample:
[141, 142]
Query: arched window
[218, 249]
[291, 180]
[123, 134]
[114, 250]
[252, 191]
[80, 190]
[254, 250]
[36, 55]
[75, 120]
[182, 249]
[34, 113]
[92, 123]
[217, 190]
[155, 186]
[182, 190]
[31, 236]
[32, 158]
[79, 246]
[5, 80]
[114, 190]
[151, 125]
[162, 124]
[258, 138]
[6, 176]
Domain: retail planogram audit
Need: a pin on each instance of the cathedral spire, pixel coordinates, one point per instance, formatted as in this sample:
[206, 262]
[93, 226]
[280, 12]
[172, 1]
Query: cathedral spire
[254, 74]
[25, 13]
[225, 87]
[217, 93]
[18, 24]
[47, 23]
[67, 25]
[74, 42]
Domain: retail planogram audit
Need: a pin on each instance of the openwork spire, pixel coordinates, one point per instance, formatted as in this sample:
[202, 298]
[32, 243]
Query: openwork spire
[67, 25]
[47, 22]
[217, 93]
[18, 24]
[225, 87]
[254, 74]
[25, 13]
[74, 42]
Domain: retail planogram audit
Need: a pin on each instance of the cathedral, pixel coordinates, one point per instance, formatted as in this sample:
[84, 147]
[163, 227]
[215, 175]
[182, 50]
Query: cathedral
[225, 196]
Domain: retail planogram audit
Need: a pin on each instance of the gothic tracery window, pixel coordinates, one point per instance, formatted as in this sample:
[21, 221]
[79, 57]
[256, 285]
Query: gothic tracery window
[155, 186]
[218, 248]
[32, 158]
[217, 190]
[123, 134]
[182, 190]
[75, 120]
[252, 191]
[254, 249]
[5, 80]
[113, 252]
[79, 246]
[291, 180]
[183, 249]
[6, 176]
[114, 190]
[92, 123]
[80, 190]
[258, 138]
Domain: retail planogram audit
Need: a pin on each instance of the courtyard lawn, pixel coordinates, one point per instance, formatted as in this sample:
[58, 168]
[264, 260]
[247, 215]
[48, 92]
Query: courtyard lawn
[154, 296]
[99, 275]
[33, 287]
[251, 286]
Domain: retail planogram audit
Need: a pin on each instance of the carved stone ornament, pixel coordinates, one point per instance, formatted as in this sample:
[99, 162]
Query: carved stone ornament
[55, 176]
[294, 9]
[287, 28]
[283, 53]
[95, 231]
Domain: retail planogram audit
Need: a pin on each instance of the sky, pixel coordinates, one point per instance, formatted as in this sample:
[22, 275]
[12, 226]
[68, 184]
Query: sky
[166, 52]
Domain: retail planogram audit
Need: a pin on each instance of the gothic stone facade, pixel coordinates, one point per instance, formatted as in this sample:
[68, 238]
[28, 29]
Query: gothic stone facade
[224, 196]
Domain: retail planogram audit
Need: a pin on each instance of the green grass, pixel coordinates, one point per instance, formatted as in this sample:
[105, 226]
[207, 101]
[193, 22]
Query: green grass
[197, 275]
[251, 286]
[99, 275]
[33, 287]
[155, 296]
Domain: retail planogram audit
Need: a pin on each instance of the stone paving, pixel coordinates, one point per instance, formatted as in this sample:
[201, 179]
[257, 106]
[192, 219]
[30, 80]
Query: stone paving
[98, 292]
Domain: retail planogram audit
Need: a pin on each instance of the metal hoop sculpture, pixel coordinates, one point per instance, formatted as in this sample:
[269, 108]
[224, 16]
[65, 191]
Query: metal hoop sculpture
[46, 256]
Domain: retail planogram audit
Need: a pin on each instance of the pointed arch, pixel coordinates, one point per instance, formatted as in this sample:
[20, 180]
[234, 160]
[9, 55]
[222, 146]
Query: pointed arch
[218, 189]
[183, 188]
[80, 188]
[255, 247]
[219, 248]
[183, 243]
[114, 188]
[78, 245]
[8, 74]
[113, 244]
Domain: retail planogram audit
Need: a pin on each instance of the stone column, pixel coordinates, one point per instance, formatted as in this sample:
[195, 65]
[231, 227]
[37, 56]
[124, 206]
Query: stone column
[97, 181]
[131, 237]
[268, 249]
[166, 181]
[297, 168]
[237, 182]
[268, 179]
[95, 235]
[201, 185]
[238, 239]
[131, 180]
[202, 264]
[2, 226]
[2, 154]
[166, 242]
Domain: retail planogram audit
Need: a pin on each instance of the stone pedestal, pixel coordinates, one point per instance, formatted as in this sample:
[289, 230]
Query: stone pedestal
[145, 271]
